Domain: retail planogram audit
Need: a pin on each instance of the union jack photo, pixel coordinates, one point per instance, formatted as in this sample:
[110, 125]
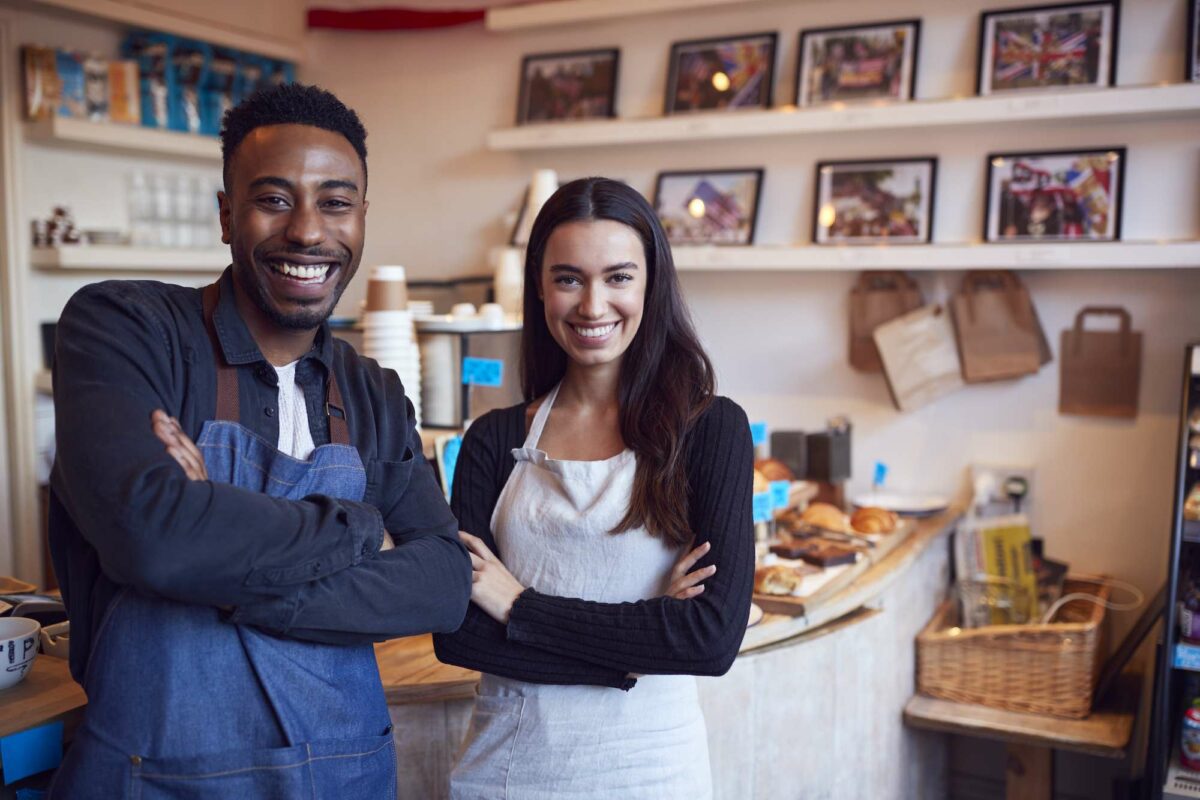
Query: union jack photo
[717, 207]
[859, 63]
[1055, 196]
[1049, 47]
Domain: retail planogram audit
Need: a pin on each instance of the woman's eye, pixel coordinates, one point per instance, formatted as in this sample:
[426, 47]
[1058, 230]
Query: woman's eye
[565, 280]
[622, 277]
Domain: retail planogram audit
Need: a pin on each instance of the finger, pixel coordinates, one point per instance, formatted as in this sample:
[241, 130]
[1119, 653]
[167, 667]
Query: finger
[476, 546]
[184, 460]
[695, 577]
[476, 562]
[689, 560]
[186, 442]
[164, 432]
[688, 594]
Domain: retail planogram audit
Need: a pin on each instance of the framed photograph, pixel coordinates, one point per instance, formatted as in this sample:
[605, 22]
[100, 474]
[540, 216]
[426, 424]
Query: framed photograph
[863, 62]
[568, 86]
[874, 202]
[1072, 195]
[1193, 38]
[1071, 46]
[712, 207]
[722, 74]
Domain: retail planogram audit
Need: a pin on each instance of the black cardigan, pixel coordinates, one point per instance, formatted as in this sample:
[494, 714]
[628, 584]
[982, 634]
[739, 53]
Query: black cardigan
[571, 641]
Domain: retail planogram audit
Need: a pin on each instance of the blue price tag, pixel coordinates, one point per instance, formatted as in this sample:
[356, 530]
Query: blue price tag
[880, 476]
[779, 493]
[758, 433]
[482, 371]
[449, 460]
[762, 507]
[32, 751]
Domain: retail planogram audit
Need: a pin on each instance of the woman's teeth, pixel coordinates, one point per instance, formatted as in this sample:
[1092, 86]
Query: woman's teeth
[595, 333]
[313, 272]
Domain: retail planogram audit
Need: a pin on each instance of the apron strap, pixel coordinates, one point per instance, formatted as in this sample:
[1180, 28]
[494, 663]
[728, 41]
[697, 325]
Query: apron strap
[539, 419]
[227, 380]
[227, 377]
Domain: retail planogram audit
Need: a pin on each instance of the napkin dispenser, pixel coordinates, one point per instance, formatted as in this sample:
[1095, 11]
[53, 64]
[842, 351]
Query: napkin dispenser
[468, 367]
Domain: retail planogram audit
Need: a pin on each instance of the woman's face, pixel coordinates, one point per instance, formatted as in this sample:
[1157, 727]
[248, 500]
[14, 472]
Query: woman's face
[593, 283]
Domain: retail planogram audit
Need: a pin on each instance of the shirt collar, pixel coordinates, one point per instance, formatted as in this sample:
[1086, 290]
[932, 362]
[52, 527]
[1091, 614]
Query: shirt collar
[238, 345]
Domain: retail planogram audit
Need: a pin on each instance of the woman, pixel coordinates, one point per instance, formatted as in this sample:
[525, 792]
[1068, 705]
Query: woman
[579, 509]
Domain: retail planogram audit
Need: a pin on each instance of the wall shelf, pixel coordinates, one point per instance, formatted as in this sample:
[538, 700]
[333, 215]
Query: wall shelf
[1083, 106]
[565, 12]
[937, 257]
[117, 258]
[123, 138]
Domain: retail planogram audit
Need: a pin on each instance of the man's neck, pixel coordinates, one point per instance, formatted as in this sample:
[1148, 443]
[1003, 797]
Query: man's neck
[280, 346]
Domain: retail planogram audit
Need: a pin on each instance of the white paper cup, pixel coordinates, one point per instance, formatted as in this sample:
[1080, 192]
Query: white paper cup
[18, 649]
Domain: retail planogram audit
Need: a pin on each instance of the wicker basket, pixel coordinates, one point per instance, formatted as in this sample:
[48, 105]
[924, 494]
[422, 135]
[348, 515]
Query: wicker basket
[1044, 669]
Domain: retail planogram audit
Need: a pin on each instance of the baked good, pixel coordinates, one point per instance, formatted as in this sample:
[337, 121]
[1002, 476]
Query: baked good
[793, 549]
[825, 554]
[790, 521]
[761, 484]
[1191, 505]
[829, 517]
[776, 579]
[774, 469]
[873, 520]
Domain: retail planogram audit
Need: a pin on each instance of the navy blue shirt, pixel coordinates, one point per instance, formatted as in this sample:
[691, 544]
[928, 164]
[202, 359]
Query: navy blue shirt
[122, 512]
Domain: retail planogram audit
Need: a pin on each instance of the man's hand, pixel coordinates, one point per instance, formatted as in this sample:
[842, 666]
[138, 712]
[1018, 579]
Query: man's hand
[494, 589]
[179, 445]
[686, 585]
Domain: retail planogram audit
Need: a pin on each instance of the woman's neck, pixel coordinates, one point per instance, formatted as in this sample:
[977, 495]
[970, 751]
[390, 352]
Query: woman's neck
[590, 388]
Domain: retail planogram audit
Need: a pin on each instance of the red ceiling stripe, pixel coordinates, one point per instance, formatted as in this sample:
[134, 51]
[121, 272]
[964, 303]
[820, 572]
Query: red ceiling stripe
[390, 19]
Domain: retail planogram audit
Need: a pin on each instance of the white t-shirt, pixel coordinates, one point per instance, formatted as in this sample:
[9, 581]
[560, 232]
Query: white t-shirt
[295, 438]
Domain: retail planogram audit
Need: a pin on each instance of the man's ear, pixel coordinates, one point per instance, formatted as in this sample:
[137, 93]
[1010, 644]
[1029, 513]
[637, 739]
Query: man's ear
[223, 205]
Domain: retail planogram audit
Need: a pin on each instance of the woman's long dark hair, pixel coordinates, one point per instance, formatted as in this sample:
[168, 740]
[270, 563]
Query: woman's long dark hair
[666, 379]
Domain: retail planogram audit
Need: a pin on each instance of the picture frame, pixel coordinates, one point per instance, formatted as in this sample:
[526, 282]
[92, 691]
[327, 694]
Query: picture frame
[1061, 47]
[567, 86]
[731, 73]
[1192, 61]
[718, 207]
[1055, 195]
[874, 201]
[881, 65]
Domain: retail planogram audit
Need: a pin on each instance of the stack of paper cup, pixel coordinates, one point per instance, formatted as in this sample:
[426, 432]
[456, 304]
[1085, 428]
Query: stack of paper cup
[389, 336]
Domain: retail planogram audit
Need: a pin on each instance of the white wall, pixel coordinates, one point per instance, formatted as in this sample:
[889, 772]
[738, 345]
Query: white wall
[1103, 488]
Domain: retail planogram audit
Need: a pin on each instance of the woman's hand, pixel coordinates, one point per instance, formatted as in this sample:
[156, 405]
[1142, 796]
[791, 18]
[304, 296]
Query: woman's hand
[494, 588]
[179, 446]
[686, 585]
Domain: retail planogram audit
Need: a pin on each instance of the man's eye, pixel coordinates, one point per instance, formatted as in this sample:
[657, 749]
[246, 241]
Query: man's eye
[272, 200]
[337, 204]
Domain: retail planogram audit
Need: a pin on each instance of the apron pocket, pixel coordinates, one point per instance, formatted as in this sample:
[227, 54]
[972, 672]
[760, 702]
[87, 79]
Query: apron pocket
[483, 765]
[360, 767]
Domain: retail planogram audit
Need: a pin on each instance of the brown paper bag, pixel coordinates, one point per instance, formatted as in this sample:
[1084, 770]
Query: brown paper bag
[878, 297]
[1101, 370]
[996, 327]
[920, 361]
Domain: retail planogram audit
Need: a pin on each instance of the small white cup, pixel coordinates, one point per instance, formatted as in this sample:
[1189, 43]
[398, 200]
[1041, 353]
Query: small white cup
[18, 649]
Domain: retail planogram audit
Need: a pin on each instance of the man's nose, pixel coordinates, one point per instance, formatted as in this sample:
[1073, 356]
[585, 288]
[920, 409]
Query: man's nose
[305, 227]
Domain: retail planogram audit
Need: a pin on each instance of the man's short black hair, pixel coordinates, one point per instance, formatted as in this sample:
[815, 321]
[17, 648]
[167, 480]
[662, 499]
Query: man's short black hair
[291, 104]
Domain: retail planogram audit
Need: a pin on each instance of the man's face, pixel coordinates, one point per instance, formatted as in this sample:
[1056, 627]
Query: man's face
[294, 216]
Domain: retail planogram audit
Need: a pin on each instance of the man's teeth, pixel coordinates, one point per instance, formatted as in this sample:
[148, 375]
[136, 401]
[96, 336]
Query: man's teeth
[304, 271]
[596, 333]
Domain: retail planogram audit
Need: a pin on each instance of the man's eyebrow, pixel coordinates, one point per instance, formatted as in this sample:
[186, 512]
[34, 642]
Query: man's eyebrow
[349, 186]
[271, 180]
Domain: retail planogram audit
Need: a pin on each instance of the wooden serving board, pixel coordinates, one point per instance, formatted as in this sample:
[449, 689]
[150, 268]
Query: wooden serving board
[796, 606]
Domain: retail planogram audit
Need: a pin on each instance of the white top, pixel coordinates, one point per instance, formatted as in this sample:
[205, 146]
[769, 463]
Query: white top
[295, 438]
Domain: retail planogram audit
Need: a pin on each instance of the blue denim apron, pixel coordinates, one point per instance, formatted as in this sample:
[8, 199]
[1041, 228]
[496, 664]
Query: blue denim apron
[184, 705]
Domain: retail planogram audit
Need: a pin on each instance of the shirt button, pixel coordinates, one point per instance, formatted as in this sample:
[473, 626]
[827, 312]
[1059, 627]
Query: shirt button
[317, 568]
[270, 412]
[135, 760]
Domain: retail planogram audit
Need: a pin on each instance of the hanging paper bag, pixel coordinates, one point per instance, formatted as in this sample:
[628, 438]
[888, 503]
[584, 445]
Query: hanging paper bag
[919, 359]
[878, 297]
[1101, 370]
[996, 327]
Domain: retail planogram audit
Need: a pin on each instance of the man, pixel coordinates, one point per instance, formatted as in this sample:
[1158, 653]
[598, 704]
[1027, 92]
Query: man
[222, 613]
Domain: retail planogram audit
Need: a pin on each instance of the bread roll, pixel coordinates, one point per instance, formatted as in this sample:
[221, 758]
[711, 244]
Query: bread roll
[761, 484]
[873, 520]
[774, 469]
[829, 517]
[777, 579]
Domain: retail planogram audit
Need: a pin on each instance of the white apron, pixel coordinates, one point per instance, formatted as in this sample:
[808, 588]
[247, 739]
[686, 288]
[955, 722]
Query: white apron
[528, 741]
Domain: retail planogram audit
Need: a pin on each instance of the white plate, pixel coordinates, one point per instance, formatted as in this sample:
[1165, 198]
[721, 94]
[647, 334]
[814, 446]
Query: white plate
[756, 615]
[914, 505]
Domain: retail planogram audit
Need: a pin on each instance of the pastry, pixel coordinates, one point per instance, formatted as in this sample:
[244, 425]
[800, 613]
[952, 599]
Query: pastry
[761, 484]
[774, 469]
[776, 579]
[829, 517]
[790, 521]
[793, 549]
[824, 554]
[873, 520]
